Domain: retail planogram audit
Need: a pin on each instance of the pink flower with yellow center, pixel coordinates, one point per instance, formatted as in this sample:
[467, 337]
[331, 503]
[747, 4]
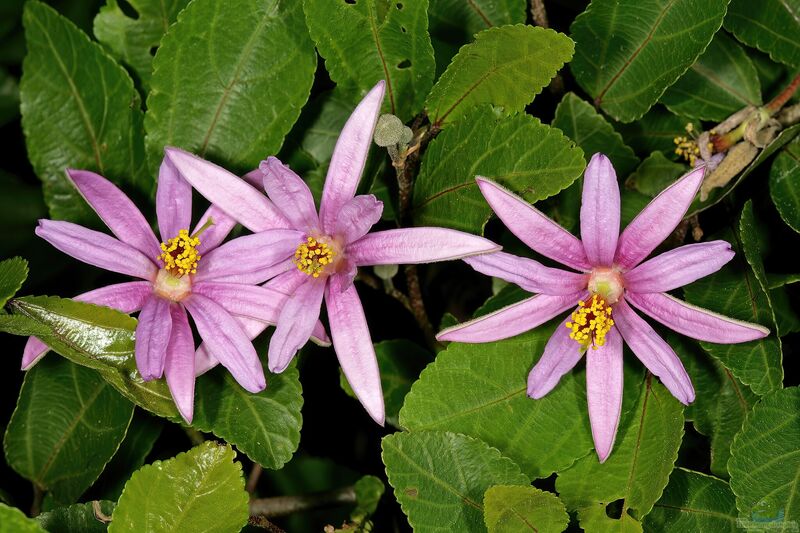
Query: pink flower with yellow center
[187, 273]
[611, 280]
[329, 247]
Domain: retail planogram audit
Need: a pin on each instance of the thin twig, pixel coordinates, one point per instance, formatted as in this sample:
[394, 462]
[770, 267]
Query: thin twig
[539, 14]
[375, 283]
[252, 479]
[38, 496]
[263, 523]
[285, 505]
[418, 305]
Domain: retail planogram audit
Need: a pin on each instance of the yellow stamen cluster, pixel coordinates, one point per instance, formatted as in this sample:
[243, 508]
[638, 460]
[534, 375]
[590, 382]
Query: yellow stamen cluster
[312, 256]
[591, 322]
[179, 254]
[687, 147]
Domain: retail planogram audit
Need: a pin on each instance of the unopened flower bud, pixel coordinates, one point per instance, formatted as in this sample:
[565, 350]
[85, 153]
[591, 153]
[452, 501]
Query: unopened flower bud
[385, 272]
[389, 131]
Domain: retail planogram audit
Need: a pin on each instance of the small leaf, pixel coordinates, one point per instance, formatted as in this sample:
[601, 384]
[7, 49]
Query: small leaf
[67, 425]
[655, 174]
[530, 158]
[439, 478]
[199, 490]
[369, 490]
[694, 502]
[628, 52]
[784, 184]
[506, 66]
[79, 517]
[12, 520]
[510, 508]
[13, 273]
[595, 519]
[771, 26]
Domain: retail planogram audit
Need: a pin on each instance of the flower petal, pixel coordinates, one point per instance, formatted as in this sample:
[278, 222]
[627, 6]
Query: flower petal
[349, 157]
[511, 320]
[295, 323]
[216, 233]
[96, 248]
[173, 201]
[116, 210]
[416, 245]
[205, 361]
[657, 220]
[696, 322]
[357, 216]
[533, 228]
[246, 204]
[152, 337]
[527, 273]
[600, 211]
[179, 365]
[678, 267]
[225, 339]
[287, 282]
[561, 354]
[353, 345]
[290, 194]
[653, 352]
[249, 259]
[604, 392]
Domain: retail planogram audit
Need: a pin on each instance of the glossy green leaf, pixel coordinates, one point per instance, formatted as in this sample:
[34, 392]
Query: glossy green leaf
[439, 478]
[772, 26]
[371, 40]
[220, 90]
[199, 490]
[80, 517]
[628, 52]
[134, 39]
[655, 174]
[694, 502]
[784, 184]
[506, 66]
[79, 110]
[721, 82]
[13, 273]
[655, 131]
[638, 468]
[511, 509]
[12, 520]
[67, 425]
[519, 152]
[765, 462]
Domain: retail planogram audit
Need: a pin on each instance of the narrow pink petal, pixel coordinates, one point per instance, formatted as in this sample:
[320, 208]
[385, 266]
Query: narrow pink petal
[34, 350]
[527, 273]
[255, 178]
[216, 233]
[353, 346]
[678, 267]
[173, 201]
[600, 211]
[657, 220]
[349, 157]
[116, 210]
[179, 365]
[227, 342]
[288, 281]
[416, 245]
[205, 361]
[604, 392]
[152, 337]
[653, 352]
[696, 322]
[295, 323]
[511, 320]
[291, 194]
[97, 248]
[533, 228]
[249, 259]
[246, 204]
[357, 216]
[561, 354]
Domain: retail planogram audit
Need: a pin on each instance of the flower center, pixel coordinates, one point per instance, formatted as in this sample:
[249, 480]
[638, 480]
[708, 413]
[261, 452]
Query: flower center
[313, 256]
[179, 254]
[591, 322]
[172, 287]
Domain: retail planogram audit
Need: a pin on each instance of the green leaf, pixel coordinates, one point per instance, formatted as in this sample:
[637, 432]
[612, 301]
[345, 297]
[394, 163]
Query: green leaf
[510, 508]
[530, 158]
[655, 131]
[784, 184]
[439, 478]
[79, 517]
[655, 174]
[199, 490]
[721, 82]
[506, 67]
[787, 318]
[134, 39]
[628, 52]
[67, 425]
[79, 110]
[638, 468]
[595, 519]
[370, 40]
[694, 502]
[13, 273]
[765, 462]
[771, 26]
[12, 520]
[369, 490]
[219, 87]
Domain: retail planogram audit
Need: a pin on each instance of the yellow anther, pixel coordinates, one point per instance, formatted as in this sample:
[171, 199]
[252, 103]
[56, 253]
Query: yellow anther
[179, 254]
[312, 256]
[591, 322]
[687, 148]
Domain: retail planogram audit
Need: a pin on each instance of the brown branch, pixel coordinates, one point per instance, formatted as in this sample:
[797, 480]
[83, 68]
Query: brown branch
[252, 479]
[539, 13]
[418, 305]
[38, 496]
[263, 523]
[278, 506]
[778, 102]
